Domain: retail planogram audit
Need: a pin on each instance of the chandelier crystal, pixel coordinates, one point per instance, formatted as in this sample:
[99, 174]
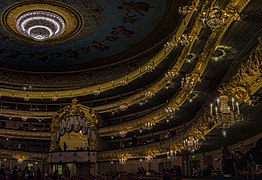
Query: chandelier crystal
[40, 25]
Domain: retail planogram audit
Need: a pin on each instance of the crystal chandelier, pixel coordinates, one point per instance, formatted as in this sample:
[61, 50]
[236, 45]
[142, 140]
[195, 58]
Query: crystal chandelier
[225, 112]
[214, 18]
[40, 25]
[171, 154]
[191, 144]
[122, 161]
[149, 158]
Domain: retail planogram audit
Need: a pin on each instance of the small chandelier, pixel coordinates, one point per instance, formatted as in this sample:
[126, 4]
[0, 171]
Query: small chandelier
[187, 83]
[55, 97]
[20, 160]
[149, 158]
[123, 107]
[185, 39]
[171, 154]
[170, 111]
[149, 68]
[150, 125]
[122, 161]
[122, 133]
[149, 95]
[191, 144]
[24, 118]
[214, 18]
[169, 76]
[225, 112]
[168, 46]
[124, 82]
[97, 91]
[185, 10]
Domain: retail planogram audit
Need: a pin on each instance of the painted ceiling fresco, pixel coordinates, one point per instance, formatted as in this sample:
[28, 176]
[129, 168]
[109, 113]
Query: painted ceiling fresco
[110, 27]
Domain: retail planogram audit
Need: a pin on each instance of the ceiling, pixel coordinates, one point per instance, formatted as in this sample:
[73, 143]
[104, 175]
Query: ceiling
[125, 37]
[108, 31]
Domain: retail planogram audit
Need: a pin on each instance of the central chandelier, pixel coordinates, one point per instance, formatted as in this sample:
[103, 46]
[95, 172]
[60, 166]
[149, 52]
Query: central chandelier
[40, 25]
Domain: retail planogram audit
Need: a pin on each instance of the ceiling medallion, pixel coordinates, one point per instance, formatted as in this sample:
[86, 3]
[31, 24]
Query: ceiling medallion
[40, 25]
[44, 22]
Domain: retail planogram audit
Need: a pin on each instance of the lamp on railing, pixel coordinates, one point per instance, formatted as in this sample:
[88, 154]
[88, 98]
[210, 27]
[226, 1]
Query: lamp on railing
[149, 68]
[149, 125]
[169, 77]
[185, 10]
[124, 81]
[122, 133]
[149, 95]
[123, 107]
[20, 160]
[24, 118]
[97, 91]
[188, 82]
[170, 111]
[171, 154]
[169, 46]
[214, 18]
[191, 144]
[149, 158]
[185, 39]
[225, 112]
[122, 160]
